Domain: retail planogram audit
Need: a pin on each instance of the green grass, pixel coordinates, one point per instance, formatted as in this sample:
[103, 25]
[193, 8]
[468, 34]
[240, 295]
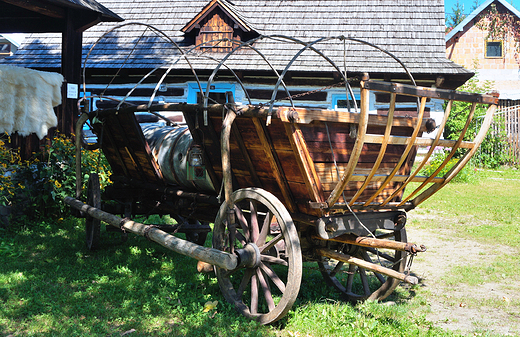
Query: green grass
[50, 285]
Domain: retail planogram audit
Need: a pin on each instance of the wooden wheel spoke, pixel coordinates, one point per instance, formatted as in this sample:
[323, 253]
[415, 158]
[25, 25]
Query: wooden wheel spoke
[265, 229]
[336, 269]
[255, 230]
[241, 238]
[251, 290]
[243, 222]
[271, 243]
[385, 256]
[266, 268]
[366, 257]
[272, 259]
[245, 281]
[364, 281]
[254, 294]
[380, 277]
[371, 283]
[350, 278]
[266, 290]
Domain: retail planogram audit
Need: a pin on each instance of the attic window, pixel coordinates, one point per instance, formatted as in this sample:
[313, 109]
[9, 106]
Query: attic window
[215, 29]
[216, 25]
[494, 49]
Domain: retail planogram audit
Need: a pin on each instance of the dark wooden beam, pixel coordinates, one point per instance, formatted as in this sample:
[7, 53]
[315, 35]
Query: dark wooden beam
[71, 70]
[39, 7]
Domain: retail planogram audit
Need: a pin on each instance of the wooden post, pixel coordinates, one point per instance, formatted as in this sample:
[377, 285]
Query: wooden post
[71, 48]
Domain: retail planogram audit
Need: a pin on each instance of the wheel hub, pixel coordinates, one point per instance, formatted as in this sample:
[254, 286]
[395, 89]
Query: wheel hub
[249, 256]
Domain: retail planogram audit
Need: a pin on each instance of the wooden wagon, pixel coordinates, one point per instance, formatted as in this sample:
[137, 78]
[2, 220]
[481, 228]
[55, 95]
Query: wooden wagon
[283, 185]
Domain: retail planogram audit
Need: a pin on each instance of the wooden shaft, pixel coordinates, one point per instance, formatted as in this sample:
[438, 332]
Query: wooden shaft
[364, 241]
[205, 254]
[367, 265]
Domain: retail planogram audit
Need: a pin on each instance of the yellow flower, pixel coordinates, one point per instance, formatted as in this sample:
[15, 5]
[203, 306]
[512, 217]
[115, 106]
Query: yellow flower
[58, 185]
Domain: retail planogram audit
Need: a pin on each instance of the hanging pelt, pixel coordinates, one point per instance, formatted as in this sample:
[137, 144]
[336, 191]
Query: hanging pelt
[27, 98]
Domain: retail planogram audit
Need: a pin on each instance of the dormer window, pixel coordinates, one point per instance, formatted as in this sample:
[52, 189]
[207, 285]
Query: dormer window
[217, 25]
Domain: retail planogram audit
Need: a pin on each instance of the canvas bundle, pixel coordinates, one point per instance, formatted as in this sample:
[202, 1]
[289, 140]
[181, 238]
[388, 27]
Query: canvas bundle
[27, 98]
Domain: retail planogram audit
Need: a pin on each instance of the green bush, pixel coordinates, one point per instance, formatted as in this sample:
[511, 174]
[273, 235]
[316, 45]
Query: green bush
[491, 153]
[36, 187]
[464, 176]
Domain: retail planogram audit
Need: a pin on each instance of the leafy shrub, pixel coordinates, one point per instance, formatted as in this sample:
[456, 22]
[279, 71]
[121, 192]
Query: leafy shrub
[464, 176]
[491, 153]
[36, 187]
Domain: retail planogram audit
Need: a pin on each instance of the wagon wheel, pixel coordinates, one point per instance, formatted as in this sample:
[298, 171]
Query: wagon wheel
[93, 226]
[266, 289]
[357, 283]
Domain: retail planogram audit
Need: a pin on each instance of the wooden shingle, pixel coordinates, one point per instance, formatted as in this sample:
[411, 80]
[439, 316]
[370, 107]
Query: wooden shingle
[411, 30]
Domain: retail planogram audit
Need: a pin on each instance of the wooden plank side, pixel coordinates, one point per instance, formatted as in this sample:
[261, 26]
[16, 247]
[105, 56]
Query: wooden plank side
[305, 162]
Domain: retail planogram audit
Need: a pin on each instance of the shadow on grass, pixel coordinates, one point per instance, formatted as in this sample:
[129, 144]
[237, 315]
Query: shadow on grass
[55, 287]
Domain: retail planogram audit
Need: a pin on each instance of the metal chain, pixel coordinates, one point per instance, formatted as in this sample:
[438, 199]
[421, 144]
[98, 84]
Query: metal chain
[305, 93]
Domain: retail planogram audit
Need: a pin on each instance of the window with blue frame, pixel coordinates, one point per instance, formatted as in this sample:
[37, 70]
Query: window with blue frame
[217, 92]
[339, 102]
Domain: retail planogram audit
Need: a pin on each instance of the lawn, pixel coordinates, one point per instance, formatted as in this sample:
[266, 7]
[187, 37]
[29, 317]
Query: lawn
[50, 285]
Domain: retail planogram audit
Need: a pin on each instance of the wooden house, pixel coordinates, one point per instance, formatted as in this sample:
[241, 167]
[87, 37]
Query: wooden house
[494, 58]
[412, 31]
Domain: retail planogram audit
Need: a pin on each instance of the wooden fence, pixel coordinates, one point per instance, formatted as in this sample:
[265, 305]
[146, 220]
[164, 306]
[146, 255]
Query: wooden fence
[509, 114]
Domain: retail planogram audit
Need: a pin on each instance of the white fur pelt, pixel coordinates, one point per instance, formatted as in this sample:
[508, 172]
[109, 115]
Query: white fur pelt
[27, 98]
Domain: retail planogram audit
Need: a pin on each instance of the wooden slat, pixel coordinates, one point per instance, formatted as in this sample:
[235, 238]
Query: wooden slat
[356, 152]
[427, 155]
[462, 162]
[306, 116]
[235, 133]
[382, 150]
[449, 156]
[274, 163]
[405, 153]
[305, 163]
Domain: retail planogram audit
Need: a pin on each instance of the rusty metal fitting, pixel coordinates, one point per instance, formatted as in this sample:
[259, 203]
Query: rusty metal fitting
[413, 249]
[292, 115]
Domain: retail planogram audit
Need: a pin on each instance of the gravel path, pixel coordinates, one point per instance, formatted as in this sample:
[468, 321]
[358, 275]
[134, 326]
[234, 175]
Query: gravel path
[471, 310]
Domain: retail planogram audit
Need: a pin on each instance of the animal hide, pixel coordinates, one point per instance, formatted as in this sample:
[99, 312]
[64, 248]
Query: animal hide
[27, 98]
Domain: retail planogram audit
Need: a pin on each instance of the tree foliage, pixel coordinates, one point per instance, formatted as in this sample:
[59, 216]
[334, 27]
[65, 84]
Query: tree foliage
[456, 16]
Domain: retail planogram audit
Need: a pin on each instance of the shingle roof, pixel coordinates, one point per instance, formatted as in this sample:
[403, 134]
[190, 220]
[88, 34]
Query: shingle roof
[413, 30]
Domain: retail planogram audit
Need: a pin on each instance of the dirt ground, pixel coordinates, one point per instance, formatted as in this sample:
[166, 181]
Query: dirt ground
[464, 308]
